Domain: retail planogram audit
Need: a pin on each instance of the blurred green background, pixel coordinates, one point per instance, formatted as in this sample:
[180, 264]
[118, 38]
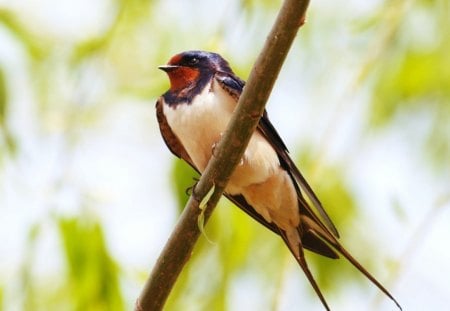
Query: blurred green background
[89, 193]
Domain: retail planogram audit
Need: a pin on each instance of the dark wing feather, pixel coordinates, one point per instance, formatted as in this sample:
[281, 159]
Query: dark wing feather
[232, 84]
[268, 130]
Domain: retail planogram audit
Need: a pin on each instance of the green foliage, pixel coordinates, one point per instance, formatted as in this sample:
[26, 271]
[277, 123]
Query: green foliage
[414, 80]
[3, 98]
[419, 84]
[129, 15]
[437, 143]
[421, 78]
[31, 297]
[92, 274]
[251, 5]
[35, 46]
[8, 139]
[92, 280]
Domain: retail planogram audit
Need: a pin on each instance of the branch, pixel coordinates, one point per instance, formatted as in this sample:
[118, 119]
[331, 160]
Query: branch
[226, 156]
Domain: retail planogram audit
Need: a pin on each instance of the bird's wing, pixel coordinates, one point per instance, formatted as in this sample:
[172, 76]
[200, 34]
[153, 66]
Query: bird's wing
[233, 85]
[268, 130]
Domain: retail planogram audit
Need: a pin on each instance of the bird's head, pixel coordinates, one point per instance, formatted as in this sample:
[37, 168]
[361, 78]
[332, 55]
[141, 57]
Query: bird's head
[187, 68]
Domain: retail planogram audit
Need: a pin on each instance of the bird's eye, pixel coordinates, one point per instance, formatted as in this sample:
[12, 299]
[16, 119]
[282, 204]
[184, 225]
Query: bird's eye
[193, 61]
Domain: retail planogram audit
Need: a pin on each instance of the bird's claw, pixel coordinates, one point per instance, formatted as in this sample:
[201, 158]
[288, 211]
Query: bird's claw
[191, 190]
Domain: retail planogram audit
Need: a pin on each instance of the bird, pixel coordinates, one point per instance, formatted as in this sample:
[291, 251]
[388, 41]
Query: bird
[266, 184]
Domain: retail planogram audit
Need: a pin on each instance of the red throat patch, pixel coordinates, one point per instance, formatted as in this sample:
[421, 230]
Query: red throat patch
[182, 77]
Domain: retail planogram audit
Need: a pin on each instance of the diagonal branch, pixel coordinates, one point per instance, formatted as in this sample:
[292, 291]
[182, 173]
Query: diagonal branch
[226, 156]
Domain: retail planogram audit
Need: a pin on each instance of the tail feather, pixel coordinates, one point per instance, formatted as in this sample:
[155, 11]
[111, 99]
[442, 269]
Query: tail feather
[313, 228]
[304, 265]
[312, 242]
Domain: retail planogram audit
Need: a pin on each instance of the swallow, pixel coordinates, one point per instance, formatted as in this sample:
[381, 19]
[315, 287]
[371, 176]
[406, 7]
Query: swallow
[267, 185]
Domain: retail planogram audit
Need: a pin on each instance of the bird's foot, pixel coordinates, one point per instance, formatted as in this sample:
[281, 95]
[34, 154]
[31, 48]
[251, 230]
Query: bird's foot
[191, 190]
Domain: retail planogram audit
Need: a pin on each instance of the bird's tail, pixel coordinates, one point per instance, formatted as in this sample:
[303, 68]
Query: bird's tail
[317, 238]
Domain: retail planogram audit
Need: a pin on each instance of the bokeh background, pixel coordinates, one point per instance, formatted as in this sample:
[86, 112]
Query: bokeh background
[89, 192]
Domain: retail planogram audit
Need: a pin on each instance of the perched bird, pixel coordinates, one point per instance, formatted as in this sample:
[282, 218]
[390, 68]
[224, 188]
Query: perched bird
[267, 185]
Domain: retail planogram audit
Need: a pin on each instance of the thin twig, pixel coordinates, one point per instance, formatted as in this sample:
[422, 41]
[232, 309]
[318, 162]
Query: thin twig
[226, 156]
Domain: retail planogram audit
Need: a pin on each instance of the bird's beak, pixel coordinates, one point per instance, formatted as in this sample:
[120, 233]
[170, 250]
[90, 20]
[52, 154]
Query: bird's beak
[168, 68]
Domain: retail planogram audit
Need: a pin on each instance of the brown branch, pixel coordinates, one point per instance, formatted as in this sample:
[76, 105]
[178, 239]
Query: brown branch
[226, 156]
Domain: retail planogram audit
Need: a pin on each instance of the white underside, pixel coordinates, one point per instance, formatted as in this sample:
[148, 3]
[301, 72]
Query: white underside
[200, 125]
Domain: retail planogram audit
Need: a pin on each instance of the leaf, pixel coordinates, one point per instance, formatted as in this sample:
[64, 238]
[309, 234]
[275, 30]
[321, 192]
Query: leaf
[92, 273]
[202, 206]
[1, 298]
[36, 47]
[420, 78]
[3, 98]
[8, 138]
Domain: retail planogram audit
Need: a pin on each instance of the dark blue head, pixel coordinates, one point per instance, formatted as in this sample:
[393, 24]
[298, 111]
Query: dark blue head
[188, 68]
[200, 59]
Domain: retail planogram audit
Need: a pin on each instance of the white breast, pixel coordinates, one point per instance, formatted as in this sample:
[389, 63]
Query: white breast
[199, 126]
